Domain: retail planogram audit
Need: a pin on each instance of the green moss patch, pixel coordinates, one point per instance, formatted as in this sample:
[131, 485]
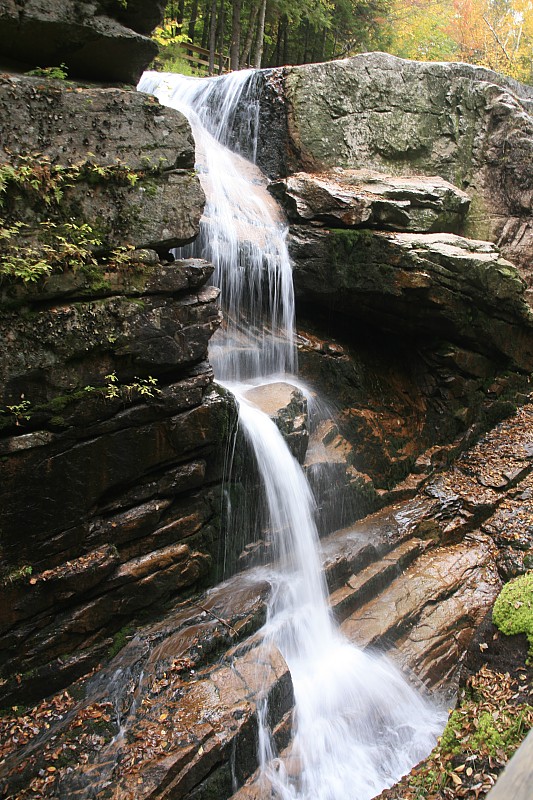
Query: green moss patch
[513, 609]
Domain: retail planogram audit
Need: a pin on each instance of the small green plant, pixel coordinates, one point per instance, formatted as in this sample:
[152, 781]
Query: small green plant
[120, 638]
[60, 72]
[17, 575]
[20, 411]
[141, 387]
[58, 246]
[513, 609]
[46, 182]
[112, 388]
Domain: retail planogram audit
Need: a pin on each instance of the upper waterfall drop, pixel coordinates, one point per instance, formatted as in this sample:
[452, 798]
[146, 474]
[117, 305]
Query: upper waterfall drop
[358, 725]
[242, 231]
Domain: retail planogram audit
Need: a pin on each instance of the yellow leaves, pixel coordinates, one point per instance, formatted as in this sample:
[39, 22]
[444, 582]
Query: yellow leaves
[495, 35]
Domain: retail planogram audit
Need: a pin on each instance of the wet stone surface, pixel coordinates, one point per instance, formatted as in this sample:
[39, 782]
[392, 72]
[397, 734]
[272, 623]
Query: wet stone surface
[184, 690]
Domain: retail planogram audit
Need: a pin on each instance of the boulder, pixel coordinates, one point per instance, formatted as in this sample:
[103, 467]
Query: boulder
[466, 124]
[287, 407]
[359, 198]
[102, 40]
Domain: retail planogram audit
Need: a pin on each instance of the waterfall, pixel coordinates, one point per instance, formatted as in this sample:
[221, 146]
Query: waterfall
[358, 726]
[242, 231]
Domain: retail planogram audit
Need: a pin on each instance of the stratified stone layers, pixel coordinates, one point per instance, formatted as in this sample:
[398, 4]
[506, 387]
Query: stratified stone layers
[113, 433]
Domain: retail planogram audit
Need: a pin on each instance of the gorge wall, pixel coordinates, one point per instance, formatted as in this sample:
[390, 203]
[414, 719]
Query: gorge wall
[112, 432]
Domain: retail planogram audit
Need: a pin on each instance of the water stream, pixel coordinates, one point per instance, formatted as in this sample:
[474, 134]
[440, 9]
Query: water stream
[358, 725]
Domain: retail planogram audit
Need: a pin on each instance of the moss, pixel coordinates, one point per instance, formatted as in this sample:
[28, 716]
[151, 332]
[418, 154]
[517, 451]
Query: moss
[95, 276]
[513, 609]
[120, 639]
[344, 240]
[449, 741]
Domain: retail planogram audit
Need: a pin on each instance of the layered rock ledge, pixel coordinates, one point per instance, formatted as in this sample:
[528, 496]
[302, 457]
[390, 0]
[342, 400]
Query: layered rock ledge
[112, 432]
[468, 125]
[441, 285]
[359, 198]
[415, 580]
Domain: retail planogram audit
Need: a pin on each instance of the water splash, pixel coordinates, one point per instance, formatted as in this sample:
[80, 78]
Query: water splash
[358, 725]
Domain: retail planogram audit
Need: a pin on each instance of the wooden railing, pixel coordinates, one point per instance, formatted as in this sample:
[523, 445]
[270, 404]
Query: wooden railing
[516, 781]
[199, 58]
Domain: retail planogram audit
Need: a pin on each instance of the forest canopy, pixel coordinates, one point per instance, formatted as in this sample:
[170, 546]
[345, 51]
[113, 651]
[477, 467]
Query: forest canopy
[234, 34]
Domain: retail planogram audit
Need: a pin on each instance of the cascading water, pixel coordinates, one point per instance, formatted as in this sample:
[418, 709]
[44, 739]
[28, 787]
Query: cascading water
[242, 232]
[358, 725]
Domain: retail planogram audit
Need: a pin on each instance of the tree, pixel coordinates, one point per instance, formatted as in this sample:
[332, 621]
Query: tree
[235, 34]
[493, 33]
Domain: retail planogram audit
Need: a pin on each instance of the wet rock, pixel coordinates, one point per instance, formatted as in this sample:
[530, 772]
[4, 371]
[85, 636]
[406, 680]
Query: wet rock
[511, 528]
[131, 436]
[430, 612]
[459, 501]
[393, 413]
[183, 710]
[359, 198]
[416, 285]
[68, 601]
[98, 40]
[287, 407]
[398, 580]
[73, 345]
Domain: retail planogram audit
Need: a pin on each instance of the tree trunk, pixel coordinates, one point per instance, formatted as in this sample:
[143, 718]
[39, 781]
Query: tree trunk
[192, 20]
[181, 12]
[260, 36]
[212, 36]
[322, 55]
[206, 16]
[220, 37]
[285, 41]
[308, 48]
[279, 38]
[235, 35]
[245, 57]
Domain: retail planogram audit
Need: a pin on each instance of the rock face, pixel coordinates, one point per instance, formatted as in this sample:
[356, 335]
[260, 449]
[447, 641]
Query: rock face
[114, 487]
[133, 180]
[287, 406]
[190, 716]
[470, 126]
[103, 40]
[111, 431]
[407, 188]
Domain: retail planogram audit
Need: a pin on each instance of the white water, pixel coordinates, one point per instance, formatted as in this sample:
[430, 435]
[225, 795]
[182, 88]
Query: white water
[242, 231]
[358, 725]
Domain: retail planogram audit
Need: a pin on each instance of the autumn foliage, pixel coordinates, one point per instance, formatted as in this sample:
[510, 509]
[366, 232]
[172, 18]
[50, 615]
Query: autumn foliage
[497, 34]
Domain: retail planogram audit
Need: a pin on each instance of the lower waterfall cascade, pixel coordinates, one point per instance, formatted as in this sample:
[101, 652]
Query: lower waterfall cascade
[358, 724]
